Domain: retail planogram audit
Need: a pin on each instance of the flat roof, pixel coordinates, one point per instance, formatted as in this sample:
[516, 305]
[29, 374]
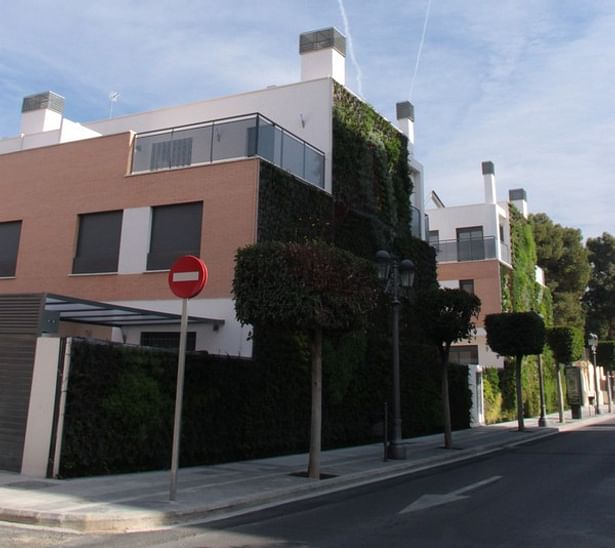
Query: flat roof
[72, 309]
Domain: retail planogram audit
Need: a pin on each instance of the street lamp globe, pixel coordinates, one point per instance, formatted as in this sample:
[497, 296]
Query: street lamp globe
[383, 264]
[592, 341]
[406, 273]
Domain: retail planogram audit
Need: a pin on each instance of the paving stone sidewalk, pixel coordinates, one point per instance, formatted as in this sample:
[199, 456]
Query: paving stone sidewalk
[140, 501]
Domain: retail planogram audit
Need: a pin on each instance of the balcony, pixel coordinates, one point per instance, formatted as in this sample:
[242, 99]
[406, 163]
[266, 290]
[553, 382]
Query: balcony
[476, 249]
[226, 139]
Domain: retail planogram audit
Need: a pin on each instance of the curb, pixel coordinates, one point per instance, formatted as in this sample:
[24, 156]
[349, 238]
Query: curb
[143, 520]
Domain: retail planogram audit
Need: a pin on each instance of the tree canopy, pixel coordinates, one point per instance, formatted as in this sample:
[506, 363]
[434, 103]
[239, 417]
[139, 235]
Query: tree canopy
[605, 355]
[447, 316]
[566, 343]
[303, 286]
[311, 287]
[600, 295]
[564, 259]
[516, 334]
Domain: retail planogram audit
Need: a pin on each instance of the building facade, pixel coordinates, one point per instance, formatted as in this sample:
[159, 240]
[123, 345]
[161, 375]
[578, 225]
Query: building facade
[474, 253]
[100, 210]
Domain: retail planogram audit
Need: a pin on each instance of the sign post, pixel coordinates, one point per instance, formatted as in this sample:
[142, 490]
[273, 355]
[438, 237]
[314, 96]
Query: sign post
[187, 278]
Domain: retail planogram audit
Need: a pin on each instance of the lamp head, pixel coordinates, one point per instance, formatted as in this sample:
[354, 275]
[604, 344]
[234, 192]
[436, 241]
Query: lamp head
[383, 263]
[592, 341]
[406, 273]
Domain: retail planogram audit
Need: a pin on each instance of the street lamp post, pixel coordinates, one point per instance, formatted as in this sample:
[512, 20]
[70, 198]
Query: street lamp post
[395, 273]
[542, 421]
[592, 342]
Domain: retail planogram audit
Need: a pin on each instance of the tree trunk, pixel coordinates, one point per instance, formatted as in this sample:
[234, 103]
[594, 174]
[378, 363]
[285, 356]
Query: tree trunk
[316, 417]
[446, 406]
[521, 427]
[560, 392]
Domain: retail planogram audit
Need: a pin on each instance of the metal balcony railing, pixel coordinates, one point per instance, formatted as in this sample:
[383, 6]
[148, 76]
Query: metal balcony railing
[471, 250]
[225, 139]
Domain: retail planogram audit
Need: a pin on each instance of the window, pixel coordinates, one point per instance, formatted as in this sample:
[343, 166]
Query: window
[167, 339]
[464, 355]
[467, 285]
[434, 238]
[9, 245]
[470, 245]
[176, 231]
[501, 233]
[174, 153]
[98, 242]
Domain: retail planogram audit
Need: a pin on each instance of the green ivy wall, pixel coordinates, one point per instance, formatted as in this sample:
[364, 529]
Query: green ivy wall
[521, 293]
[120, 400]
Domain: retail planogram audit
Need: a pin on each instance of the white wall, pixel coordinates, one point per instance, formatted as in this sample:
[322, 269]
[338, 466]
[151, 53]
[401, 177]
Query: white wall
[11, 144]
[447, 220]
[41, 409]
[324, 62]
[230, 338]
[69, 131]
[417, 198]
[475, 384]
[283, 104]
[72, 131]
[40, 120]
[134, 240]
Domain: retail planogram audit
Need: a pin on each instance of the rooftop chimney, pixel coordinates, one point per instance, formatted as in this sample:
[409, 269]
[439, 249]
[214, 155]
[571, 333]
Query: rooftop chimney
[323, 54]
[518, 198]
[489, 179]
[405, 121]
[42, 112]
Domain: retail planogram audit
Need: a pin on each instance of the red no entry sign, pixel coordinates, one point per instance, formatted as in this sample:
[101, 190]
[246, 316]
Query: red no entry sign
[187, 276]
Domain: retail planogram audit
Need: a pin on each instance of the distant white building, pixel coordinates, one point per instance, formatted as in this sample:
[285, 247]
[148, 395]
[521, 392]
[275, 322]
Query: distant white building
[473, 245]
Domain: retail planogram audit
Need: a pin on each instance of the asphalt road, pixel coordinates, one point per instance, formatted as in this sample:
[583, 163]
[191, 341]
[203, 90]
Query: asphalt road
[556, 492]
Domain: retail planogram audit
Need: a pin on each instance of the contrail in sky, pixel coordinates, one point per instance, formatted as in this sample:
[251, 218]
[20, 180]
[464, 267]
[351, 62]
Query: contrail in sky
[353, 59]
[418, 55]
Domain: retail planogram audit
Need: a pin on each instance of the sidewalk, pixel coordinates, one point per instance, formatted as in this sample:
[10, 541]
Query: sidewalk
[140, 501]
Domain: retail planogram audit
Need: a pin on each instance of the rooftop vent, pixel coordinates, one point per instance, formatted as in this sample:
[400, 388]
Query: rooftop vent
[488, 168]
[517, 194]
[47, 100]
[323, 55]
[322, 39]
[404, 110]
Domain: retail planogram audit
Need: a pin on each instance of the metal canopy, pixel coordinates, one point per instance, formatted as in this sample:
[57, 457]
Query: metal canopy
[71, 309]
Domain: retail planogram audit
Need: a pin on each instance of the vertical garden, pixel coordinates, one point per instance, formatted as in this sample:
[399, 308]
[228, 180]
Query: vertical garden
[119, 406]
[521, 293]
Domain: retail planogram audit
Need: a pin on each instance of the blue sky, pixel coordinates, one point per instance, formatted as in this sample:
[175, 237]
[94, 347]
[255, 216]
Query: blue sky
[527, 84]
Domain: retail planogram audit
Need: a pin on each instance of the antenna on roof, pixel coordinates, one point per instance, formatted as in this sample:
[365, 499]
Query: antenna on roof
[113, 98]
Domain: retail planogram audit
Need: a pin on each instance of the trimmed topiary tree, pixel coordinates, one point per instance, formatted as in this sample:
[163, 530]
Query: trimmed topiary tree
[566, 343]
[310, 288]
[516, 334]
[447, 316]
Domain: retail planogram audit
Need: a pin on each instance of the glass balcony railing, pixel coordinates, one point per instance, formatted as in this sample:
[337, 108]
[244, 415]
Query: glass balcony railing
[475, 249]
[225, 139]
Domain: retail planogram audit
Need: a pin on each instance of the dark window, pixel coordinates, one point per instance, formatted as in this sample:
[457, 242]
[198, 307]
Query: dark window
[470, 244]
[176, 231]
[98, 242]
[167, 339]
[434, 238]
[467, 285]
[174, 153]
[9, 246]
[501, 233]
[464, 355]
